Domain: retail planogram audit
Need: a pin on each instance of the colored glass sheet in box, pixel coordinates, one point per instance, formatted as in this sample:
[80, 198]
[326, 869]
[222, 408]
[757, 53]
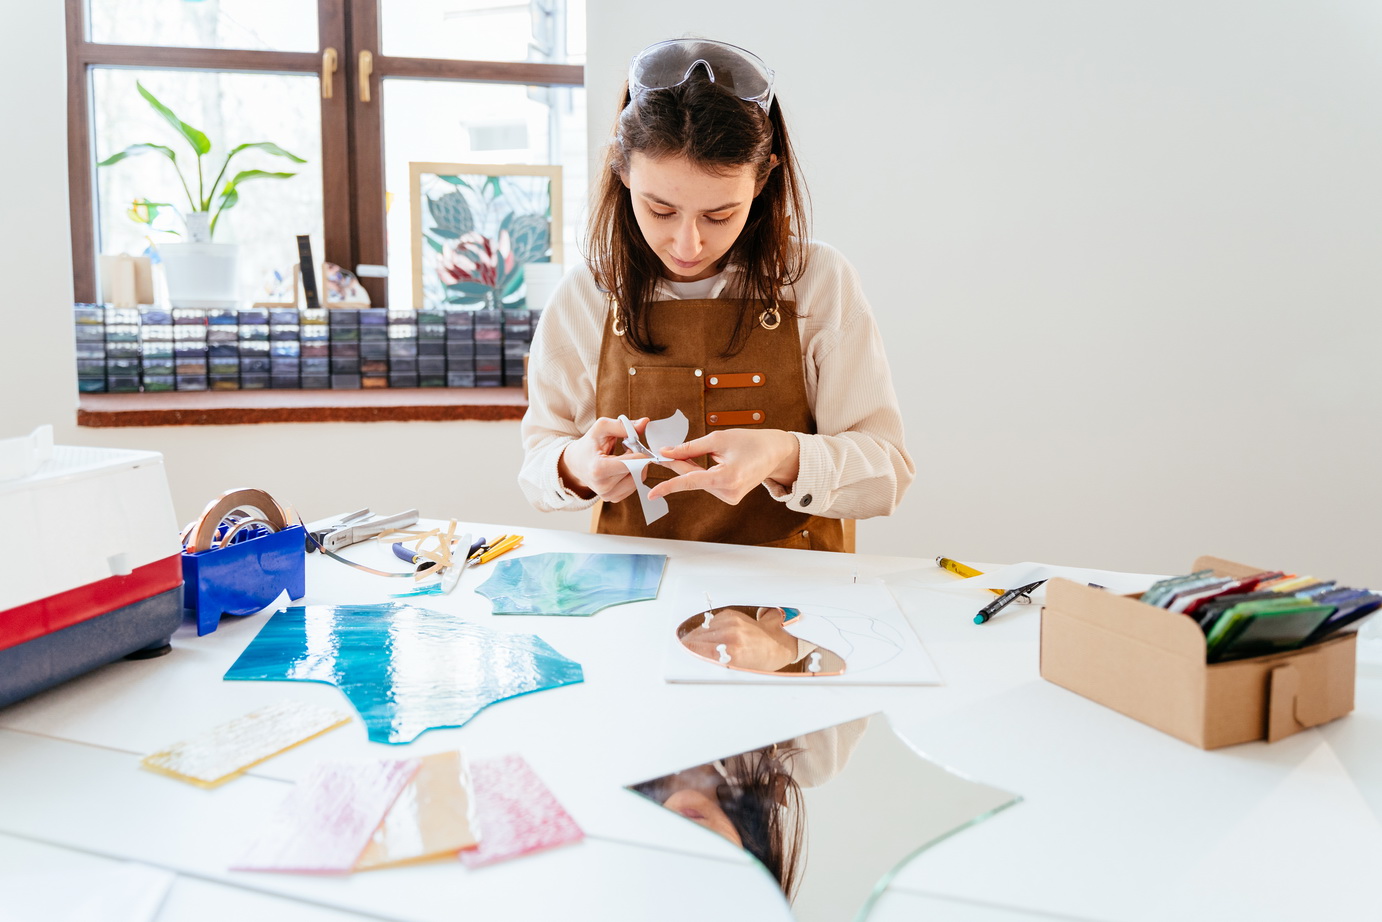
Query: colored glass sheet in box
[231, 749]
[515, 812]
[326, 821]
[454, 668]
[571, 584]
[432, 817]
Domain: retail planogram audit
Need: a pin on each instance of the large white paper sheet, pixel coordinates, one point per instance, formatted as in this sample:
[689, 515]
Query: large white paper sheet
[1016, 575]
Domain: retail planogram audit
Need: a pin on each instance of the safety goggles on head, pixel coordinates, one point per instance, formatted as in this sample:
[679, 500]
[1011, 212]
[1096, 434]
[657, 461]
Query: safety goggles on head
[668, 64]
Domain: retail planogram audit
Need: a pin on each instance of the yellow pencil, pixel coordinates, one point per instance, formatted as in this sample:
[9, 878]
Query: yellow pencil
[960, 569]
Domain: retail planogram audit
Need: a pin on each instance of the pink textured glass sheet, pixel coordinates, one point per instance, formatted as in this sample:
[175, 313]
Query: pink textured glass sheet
[514, 812]
[326, 821]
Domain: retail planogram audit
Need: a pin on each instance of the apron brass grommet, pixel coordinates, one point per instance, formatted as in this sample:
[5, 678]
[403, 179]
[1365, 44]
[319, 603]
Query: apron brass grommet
[698, 372]
[632, 370]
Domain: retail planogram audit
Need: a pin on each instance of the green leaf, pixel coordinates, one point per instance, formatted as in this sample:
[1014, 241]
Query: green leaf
[514, 281]
[454, 180]
[268, 147]
[435, 245]
[471, 289]
[246, 175]
[444, 233]
[136, 149]
[493, 188]
[200, 143]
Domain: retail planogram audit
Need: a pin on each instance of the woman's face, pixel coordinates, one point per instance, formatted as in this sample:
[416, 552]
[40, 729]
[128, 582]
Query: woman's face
[689, 217]
[692, 793]
[704, 810]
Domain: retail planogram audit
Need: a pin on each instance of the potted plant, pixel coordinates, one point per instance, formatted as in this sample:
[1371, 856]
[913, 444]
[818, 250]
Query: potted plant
[200, 273]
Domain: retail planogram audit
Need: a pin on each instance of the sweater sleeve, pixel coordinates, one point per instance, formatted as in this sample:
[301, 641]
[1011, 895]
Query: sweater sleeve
[562, 369]
[856, 465]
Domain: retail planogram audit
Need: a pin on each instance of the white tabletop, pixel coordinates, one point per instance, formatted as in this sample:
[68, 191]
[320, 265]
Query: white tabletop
[1117, 822]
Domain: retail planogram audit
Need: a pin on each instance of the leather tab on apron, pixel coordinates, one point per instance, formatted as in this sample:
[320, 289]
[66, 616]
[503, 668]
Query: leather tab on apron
[749, 379]
[735, 418]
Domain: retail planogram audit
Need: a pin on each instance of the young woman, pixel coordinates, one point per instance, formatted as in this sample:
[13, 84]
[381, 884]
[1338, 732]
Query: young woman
[702, 293]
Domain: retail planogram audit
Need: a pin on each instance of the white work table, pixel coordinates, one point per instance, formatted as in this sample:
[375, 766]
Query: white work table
[1117, 821]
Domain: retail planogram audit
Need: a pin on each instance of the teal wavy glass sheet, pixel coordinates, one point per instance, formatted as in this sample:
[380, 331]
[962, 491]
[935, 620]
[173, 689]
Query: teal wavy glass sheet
[405, 669]
[571, 584]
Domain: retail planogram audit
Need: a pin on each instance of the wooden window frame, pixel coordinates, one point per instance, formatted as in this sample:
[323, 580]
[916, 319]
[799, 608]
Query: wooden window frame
[352, 129]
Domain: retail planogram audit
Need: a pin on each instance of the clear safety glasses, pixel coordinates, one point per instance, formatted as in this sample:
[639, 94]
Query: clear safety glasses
[668, 64]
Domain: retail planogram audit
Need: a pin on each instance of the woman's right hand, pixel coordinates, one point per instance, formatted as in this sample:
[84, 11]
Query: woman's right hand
[588, 465]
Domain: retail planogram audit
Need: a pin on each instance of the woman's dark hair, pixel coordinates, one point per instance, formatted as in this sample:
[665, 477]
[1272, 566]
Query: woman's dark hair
[715, 130]
[765, 806]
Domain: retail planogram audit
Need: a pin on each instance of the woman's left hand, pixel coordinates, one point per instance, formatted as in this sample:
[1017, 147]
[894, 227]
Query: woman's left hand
[741, 459]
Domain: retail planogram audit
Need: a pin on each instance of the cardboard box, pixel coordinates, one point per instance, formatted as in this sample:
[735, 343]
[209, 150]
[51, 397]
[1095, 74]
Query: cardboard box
[1149, 663]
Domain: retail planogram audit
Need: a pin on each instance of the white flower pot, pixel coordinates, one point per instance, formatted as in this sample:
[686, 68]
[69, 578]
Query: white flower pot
[200, 274]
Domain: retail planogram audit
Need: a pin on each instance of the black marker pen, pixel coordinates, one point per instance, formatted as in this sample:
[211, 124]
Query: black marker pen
[1004, 600]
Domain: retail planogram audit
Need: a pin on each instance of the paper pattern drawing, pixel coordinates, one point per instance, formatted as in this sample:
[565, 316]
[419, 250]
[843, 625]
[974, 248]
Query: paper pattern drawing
[571, 584]
[227, 751]
[325, 822]
[454, 668]
[516, 812]
[860, 622]
[662, 433]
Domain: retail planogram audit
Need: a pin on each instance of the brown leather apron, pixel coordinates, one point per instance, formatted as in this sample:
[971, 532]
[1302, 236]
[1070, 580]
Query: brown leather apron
[763, 385]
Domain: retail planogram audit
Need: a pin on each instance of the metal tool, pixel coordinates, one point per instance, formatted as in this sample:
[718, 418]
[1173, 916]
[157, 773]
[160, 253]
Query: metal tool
[357, 526]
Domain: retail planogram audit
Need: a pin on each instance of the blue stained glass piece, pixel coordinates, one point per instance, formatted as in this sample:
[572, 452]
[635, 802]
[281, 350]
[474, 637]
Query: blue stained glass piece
[571, 584]
[405, 669]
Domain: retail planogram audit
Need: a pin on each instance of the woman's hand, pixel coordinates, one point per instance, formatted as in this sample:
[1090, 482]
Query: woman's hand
[741, 460]
[588, 465]
[751, 644]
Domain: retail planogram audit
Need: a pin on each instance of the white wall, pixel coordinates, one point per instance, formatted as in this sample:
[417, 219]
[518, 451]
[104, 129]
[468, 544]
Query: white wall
[1127, 257]
[1063, 211]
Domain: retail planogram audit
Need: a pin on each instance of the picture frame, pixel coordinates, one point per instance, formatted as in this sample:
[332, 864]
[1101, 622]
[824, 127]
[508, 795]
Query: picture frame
[475, 226]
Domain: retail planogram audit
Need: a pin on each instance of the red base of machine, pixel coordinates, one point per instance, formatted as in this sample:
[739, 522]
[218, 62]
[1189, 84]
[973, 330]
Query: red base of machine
[55, 612]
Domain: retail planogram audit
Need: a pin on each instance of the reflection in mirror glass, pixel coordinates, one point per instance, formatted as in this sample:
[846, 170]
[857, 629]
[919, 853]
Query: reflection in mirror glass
[829, 814]
[756, 638]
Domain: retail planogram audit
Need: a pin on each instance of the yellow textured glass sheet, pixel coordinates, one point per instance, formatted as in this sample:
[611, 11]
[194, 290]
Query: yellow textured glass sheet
[432, 817]
[229, 750]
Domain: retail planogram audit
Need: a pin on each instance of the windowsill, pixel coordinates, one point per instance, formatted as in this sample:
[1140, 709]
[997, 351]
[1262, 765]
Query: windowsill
[229, 408]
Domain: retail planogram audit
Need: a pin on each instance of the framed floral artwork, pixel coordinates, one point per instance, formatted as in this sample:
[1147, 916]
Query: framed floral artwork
[475, 227]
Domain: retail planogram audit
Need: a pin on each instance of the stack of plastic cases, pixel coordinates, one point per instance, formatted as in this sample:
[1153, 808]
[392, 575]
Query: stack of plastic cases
[223, 349]
[122, 349]
[190, 360]
[460, 348]
[285, 349]
[315, 337]
[156, 349]
[403, 347]
[431, 347]
[254, 348]
[193, 349]
[489, 348]
[345, 348]
[90, 323]
[374, 346]
[518, 337]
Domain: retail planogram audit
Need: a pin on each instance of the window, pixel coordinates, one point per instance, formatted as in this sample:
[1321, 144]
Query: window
[356, 88]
